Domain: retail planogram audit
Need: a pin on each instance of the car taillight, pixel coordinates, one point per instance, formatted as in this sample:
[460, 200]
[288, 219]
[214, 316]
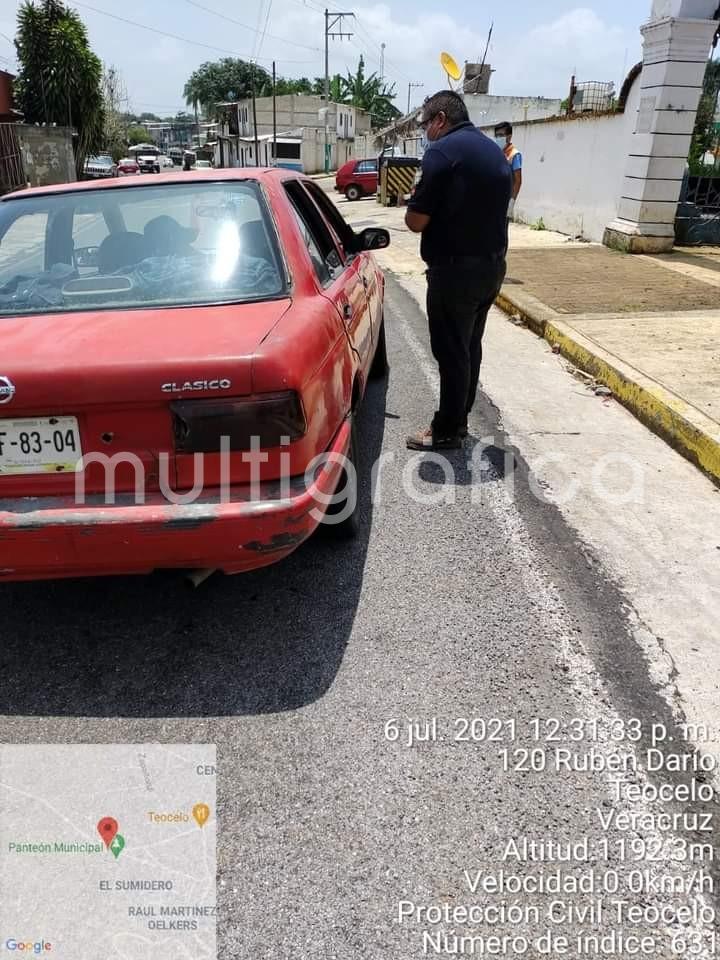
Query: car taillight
[199, 425]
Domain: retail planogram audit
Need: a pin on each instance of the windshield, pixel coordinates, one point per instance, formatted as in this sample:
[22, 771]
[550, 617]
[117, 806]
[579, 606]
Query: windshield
[167, 245]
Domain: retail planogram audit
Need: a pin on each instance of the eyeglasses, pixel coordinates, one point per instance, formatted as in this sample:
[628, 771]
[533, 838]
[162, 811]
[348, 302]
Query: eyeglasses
[424, 124]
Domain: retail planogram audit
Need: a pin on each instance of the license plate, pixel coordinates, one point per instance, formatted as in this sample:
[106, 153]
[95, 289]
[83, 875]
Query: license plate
[39, 445]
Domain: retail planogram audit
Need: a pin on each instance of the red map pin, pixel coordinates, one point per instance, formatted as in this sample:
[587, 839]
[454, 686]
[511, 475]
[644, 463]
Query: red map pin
[107, 828]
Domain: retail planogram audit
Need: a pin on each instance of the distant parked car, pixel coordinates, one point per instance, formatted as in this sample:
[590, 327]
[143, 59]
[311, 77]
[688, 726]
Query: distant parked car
[202, 165]
[100, 167]
[357, 178]
[127, 166]
[166, 163]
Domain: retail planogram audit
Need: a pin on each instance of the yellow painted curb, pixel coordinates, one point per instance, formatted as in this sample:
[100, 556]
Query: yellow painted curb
[679, 424]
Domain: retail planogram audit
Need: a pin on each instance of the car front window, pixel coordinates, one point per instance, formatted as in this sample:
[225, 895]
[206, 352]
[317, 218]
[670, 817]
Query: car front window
[170, 245]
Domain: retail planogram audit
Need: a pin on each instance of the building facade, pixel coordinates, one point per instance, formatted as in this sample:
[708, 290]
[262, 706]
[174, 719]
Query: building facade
[300, 132]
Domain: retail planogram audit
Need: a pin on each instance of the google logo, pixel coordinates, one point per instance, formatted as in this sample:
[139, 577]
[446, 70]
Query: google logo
[40, 946]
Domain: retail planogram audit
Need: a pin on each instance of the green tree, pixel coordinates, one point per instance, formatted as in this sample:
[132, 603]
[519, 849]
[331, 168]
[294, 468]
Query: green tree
[705, 135]
[60, 78]
[284, 87]
[226, 79]
[137, 134]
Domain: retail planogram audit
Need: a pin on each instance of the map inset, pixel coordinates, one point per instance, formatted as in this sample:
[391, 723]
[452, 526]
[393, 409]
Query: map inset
[107, 852]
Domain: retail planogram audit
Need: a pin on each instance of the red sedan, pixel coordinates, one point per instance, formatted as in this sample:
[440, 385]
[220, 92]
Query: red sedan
[128, 167]
[181, 361]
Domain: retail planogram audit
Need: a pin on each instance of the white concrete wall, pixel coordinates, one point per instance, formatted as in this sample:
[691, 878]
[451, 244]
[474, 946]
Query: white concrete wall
[573, 169]
[697, 9]
[486, 109]
[301, 110]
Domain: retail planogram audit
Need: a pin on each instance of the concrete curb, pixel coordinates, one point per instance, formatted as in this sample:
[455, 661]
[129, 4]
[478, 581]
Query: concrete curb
[681, 425]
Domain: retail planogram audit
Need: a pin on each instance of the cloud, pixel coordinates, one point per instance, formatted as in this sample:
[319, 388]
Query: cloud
[529, 58]
[167, 50]
[579, 42]
[536, 62]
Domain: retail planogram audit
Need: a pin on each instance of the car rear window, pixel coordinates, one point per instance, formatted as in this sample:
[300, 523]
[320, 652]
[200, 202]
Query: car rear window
[139, 246]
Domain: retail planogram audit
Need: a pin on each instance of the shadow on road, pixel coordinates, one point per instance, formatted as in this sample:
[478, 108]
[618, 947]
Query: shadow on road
[266, 641]
[477, 463]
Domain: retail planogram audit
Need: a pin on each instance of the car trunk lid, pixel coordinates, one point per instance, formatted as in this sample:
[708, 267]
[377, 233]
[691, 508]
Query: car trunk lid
[117, 373]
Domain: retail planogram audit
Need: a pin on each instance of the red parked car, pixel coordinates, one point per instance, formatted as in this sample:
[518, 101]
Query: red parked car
[181, 363]
[127, 166]
[357, 178]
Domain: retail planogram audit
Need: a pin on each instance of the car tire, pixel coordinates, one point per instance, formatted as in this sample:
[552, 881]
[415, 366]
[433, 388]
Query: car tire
[353, 192]
[348, 528]
[380, 366]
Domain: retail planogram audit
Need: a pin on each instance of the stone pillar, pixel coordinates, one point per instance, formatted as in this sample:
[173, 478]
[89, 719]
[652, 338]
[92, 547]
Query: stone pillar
[676, 43]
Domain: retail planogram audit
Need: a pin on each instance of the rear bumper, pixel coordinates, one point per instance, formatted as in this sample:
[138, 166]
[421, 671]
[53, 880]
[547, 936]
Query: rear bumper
[55, 537]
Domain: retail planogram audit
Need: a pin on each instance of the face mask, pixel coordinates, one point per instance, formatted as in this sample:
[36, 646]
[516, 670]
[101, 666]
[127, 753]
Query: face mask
[501, 142]
[423, 141]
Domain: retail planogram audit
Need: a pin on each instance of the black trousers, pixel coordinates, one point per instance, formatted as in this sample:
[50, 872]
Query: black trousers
[460, 293]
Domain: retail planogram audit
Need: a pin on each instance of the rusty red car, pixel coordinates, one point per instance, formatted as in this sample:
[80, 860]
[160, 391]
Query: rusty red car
[182, 359]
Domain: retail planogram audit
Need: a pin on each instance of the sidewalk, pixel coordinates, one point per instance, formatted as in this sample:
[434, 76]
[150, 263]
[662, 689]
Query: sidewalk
[648, 327]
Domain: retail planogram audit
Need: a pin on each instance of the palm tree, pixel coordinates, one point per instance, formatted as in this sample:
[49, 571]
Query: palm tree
[371, 94]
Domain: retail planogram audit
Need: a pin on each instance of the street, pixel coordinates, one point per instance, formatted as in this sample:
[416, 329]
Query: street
[341, 686]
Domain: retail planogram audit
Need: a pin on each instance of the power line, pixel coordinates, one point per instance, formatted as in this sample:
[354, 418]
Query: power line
[369, 39]
[261, 7]
[216, 13]
[261, 38]
[175, 36]
[362, 31]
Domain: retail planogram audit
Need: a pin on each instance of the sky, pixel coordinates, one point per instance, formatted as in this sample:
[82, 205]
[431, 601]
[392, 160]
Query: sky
[535, 48]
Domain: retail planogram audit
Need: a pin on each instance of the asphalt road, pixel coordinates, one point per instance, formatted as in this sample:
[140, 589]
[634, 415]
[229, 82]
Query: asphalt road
[480, 606]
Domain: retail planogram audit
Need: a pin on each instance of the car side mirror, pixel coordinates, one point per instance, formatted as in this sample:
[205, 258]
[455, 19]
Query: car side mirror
[373, 238]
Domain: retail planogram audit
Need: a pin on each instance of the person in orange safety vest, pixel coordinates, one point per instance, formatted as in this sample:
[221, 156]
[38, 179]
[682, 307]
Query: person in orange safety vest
[503, 137]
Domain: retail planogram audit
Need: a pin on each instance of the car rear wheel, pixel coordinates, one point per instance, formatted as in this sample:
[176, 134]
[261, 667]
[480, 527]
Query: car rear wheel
[379, 366]
[353, 192]
[349, 527]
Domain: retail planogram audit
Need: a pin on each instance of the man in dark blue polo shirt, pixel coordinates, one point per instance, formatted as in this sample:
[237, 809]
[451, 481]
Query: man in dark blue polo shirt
[460, 208]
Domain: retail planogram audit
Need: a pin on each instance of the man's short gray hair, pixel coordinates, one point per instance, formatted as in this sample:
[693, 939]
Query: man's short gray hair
[449, 103]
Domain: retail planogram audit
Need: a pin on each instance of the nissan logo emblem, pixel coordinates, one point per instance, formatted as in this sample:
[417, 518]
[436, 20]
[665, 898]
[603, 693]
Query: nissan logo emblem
[7, 389]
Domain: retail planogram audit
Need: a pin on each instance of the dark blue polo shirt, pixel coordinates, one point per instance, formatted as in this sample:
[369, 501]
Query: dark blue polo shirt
[465, 189]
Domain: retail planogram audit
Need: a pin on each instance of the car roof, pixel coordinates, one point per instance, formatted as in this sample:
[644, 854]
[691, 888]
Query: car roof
[219, 175]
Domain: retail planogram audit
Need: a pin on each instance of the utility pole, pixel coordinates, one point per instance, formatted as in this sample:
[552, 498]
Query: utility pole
[411, 85]
[332, 20]
[252, 86]
[274, 148]
[382, 63]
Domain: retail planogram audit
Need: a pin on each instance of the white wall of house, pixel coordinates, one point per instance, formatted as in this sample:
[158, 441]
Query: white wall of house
[486, 109]
[573, 169]
[301, 110]
[241, 152]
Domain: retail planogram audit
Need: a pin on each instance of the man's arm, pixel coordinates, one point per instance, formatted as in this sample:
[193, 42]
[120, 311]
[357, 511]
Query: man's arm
[429, 191]
[517, 175]
[416, 221]
[517, 183]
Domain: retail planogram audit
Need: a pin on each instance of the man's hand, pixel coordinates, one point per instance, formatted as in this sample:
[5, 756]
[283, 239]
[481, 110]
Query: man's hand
[416, 221]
